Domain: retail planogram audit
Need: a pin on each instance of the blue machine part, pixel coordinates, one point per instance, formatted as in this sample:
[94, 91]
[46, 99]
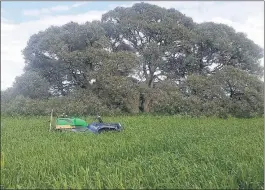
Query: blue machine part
[102, 127]
[93, 127]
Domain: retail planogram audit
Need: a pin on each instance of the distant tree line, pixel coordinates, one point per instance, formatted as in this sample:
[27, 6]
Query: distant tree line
[139, 59]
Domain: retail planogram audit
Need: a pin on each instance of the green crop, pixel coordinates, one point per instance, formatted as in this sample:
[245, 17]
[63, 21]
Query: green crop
[153, 152]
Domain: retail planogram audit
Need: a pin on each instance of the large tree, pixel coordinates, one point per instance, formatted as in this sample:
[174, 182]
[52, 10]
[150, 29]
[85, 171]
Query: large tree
[170, 45]
[152, 32]
[66, 55]
[132, 51]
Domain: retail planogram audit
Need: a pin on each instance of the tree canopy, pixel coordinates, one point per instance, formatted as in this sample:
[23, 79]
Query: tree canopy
[146, 58]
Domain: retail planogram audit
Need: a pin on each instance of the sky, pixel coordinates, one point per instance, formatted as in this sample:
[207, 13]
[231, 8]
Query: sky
[20, 20]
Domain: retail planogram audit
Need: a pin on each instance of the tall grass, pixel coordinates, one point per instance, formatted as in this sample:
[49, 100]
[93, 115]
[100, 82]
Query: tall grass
[152, 152]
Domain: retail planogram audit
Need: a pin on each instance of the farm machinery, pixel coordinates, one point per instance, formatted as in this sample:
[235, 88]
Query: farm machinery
[73, 124]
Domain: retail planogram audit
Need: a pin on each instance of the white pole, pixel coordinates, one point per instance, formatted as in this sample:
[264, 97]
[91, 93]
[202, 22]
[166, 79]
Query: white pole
[51, 121]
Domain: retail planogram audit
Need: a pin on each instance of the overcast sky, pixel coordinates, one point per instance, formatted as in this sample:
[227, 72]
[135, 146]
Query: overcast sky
[20, 20]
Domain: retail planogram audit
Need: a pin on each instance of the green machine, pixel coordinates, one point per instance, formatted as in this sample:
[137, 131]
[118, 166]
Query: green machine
[70, 123]
[75, 124]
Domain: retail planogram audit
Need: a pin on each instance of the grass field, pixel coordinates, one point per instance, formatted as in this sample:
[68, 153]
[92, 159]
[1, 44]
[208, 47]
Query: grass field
[152, 152]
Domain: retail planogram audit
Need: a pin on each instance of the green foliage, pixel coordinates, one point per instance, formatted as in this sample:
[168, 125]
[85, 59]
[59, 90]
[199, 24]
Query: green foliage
[7, 95]
[245, 91]
[79, 103]
[31, 85]
[204, 96]
[219, 44]
[66, 54]
[227, 92]
[83, 102]
[167, 99]
[151, 153]
[153, 33]
[25, 106]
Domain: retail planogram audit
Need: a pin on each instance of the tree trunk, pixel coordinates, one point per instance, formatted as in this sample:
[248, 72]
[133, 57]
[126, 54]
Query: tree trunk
[146, 98]
[146, 104]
